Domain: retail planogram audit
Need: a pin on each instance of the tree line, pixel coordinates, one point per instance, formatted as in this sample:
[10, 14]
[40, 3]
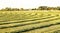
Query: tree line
[39, 8]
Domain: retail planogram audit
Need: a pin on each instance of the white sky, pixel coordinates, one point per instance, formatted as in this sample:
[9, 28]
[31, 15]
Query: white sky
[28, 3]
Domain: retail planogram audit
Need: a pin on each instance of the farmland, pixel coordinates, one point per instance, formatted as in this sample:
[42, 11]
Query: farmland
[30, 21]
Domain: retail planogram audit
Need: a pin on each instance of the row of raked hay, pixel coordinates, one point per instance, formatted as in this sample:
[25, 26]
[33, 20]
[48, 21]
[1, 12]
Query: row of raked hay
[29, 25]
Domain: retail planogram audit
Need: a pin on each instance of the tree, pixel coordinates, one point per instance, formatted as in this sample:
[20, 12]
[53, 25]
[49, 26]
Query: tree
[7, 9]
[58, 8]
[15, 9]
[42, 8]
[34, 9]
[22, 9]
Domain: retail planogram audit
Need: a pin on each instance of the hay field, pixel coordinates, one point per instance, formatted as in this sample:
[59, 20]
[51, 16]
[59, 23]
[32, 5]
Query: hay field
[30, 21]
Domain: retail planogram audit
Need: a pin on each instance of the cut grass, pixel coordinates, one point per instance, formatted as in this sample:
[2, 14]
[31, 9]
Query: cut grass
[29, 21]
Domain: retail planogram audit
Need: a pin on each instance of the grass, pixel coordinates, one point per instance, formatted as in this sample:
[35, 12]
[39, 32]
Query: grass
[29, 21]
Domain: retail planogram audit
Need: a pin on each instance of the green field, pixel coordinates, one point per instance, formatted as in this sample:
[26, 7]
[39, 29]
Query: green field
[30, 21]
